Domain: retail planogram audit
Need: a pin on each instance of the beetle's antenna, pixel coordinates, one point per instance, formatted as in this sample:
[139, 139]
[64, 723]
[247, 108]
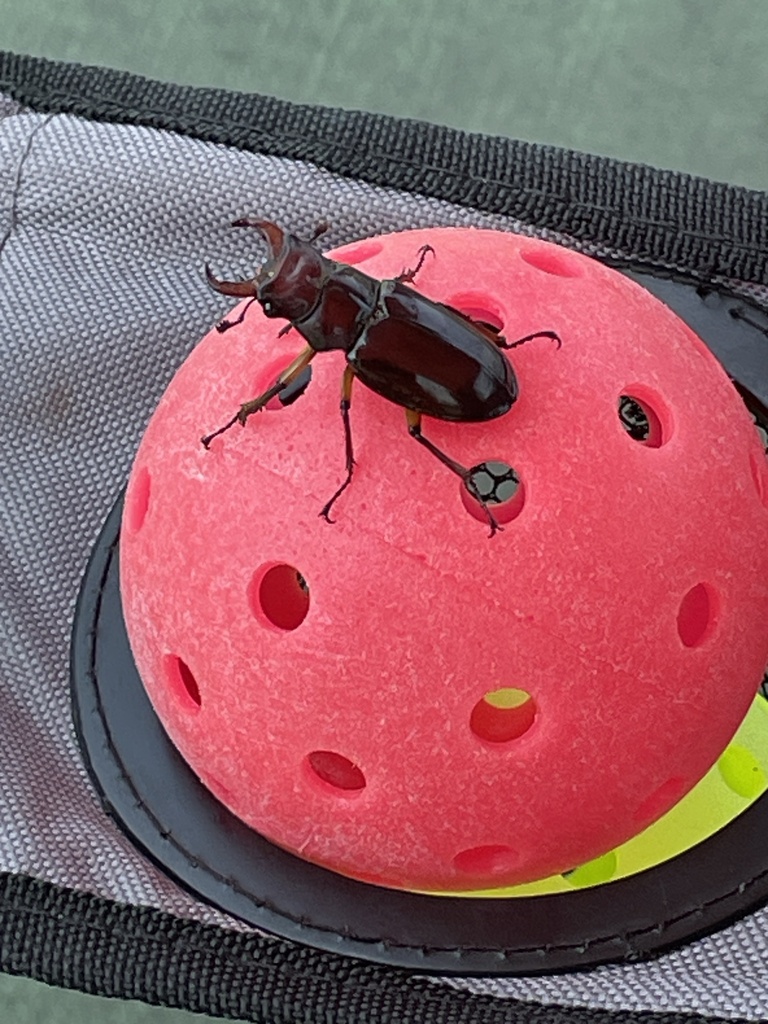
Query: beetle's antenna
[320, 228]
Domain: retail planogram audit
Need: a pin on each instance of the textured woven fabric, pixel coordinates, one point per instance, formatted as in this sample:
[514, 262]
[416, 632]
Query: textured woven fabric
[103, 232]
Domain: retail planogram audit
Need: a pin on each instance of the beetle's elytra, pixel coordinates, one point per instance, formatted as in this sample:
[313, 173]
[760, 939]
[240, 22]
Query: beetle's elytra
[427, 357]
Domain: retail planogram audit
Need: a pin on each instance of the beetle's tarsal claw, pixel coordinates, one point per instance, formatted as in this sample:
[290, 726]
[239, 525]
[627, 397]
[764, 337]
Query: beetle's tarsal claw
[495, 526]
[325, 511]
[206, 441]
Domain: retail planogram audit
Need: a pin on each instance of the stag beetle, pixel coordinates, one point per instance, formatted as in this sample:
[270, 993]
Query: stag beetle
[425, 356]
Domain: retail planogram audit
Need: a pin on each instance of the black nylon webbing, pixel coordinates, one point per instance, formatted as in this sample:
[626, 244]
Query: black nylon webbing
[75, 940]
[660, 217]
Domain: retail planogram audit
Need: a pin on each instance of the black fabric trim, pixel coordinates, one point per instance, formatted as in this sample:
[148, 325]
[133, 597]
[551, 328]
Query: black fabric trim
[660, 217]
[75, 940]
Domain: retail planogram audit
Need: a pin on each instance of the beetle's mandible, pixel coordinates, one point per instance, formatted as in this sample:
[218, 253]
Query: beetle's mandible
[422, 355]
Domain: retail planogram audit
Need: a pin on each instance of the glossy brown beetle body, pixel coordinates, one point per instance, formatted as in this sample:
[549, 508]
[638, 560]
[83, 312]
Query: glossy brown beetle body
[422, 355]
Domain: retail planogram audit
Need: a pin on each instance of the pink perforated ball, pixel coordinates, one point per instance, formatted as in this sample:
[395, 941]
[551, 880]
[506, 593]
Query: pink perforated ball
[396, 696]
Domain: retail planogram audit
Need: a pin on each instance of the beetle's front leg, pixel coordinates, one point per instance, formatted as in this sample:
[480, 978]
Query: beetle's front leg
[289, 374]
[344, 405]
[224, 325]
[414, 429]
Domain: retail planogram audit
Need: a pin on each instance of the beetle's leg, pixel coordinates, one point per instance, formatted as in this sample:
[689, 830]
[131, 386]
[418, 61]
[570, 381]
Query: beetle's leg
[346, 401]
[503, 343]
[224, 325]
[407, 276]
[289, 374]
[414, 429]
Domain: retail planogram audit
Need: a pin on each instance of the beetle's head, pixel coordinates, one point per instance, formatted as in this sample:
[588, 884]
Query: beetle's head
[289, 282]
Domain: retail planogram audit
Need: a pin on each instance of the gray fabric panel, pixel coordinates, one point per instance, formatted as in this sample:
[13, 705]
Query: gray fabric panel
[103, 232]
[724, 975]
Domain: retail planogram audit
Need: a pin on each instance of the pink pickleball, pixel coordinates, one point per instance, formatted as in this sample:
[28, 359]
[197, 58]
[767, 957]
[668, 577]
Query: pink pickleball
[399, 697]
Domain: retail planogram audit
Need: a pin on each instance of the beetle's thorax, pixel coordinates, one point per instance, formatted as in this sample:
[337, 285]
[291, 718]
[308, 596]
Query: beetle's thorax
[346, 301]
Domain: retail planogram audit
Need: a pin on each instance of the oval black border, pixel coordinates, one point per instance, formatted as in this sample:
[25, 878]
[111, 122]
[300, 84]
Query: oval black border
[156, 798]
[160, 803]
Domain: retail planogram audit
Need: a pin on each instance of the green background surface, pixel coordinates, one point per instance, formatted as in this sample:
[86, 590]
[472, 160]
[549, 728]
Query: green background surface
[679, 84]
[676, 83]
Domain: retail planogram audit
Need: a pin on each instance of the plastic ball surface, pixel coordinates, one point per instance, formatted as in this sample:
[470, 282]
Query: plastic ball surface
[398, 697]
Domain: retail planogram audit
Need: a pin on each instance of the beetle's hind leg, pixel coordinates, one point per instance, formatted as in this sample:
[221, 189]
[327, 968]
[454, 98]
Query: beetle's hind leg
[414, 429]
[346, 401]
[408, 276]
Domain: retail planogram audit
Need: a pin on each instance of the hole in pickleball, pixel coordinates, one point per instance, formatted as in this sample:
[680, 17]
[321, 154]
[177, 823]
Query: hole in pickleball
[183, 682]
[481, 862]
[499, 486]
[268, 375]
[741, 771]
[644, 417]
[479, 307]
[660, 801]
[279, 594]
[354, 254]
[137, 503]
[559, 264]
[595, 872]
[503, 715]
[336, 771]
[696, 615]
